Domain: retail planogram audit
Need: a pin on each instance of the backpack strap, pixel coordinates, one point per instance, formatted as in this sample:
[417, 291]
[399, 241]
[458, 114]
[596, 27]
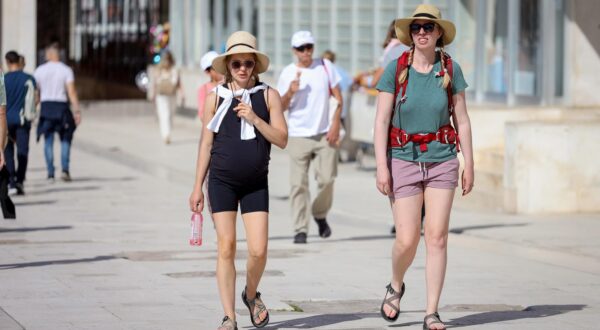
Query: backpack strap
[327, 73]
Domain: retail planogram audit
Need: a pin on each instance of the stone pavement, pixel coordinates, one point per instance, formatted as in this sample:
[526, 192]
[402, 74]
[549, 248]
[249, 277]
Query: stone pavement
[109, 249]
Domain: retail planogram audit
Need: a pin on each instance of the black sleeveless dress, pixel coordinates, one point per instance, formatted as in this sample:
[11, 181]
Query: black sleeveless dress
[239, 167]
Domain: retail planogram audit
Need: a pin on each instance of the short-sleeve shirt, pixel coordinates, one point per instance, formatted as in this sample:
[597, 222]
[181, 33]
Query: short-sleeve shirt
[424, 111]
[52, 79]
[309, 108]
[2, 91]
[16, 84]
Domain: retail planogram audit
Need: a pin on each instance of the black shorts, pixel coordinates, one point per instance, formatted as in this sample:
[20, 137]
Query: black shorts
[224, 196]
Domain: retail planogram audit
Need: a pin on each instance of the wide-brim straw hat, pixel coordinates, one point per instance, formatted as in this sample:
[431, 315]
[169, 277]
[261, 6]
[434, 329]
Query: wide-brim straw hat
[241, 42]
[429, 13]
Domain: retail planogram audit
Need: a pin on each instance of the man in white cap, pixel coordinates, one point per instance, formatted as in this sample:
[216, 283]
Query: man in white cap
[215, 79]
[305, 88]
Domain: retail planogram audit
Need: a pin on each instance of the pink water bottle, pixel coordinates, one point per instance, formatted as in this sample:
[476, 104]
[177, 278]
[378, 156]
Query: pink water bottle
[196, 234]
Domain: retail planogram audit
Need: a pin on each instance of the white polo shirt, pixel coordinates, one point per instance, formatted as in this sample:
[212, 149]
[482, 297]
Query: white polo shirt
[309, 108]
[52, 79]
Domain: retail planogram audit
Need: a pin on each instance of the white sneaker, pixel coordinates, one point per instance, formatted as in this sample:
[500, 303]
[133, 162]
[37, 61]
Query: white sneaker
[12, 191]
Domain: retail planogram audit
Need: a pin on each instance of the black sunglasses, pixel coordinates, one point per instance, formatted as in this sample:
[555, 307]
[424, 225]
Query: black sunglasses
[427, 27]
[248, 64]
[302, 48]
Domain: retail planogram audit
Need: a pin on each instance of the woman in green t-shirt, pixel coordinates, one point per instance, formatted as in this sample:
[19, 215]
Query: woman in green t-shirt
[417, 161]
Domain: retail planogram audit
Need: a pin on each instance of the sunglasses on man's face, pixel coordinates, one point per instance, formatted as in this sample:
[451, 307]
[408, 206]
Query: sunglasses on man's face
[427, 27]
[302, 48]
[248, 64]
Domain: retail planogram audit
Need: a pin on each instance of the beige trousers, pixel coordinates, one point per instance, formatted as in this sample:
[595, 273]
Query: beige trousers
[304, 151]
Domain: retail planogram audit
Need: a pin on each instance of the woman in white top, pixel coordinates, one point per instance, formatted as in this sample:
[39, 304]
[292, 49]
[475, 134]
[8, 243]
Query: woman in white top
[165, 89]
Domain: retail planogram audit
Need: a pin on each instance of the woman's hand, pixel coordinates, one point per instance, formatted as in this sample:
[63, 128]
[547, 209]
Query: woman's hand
[197, 200]
[245, 111]
[384, 181]
[468, 177]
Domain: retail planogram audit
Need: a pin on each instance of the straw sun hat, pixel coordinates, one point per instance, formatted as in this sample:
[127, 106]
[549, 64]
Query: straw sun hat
[241, 42]
[429, 13]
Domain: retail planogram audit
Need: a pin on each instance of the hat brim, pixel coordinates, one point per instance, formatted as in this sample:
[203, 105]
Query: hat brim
[403, 33]
[262, 60]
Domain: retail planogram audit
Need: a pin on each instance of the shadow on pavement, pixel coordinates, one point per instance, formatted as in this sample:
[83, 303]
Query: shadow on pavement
[34, 203]
[60, 189]
[28, 229]
[320, 320]
[461, 230]
[531, 312]
[97, 179]
[54, 262]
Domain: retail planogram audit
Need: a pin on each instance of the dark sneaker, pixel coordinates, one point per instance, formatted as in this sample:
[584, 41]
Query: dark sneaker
[324, 230]
[20, 189]
[65, 176]
[300, 238]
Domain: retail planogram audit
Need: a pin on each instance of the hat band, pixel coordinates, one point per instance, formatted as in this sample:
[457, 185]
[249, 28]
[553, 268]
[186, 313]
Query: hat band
[240, 44]
[425, 15]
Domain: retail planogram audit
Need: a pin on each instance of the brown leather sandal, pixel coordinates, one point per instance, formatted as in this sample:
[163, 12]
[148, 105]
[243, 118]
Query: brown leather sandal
[228, 324]
[260, 306]
[436, 320]
[388, 301]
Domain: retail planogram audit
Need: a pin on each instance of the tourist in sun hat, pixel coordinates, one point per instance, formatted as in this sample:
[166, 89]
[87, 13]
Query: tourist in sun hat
[306, 87]
[416, 147]
[244, 117]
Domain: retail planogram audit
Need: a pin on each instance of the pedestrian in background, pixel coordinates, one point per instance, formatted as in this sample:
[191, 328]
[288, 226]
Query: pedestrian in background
[8, 208]
[55, 81]
[392, 49]
[305, 88]
[244, 118]
[21, 103]
[166, 85]
[417, 157]
[216, 78]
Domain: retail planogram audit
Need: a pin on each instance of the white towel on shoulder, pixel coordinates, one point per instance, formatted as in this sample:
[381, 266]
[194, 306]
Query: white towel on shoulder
[247, 129]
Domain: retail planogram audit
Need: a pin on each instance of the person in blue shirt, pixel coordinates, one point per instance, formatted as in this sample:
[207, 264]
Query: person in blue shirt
[18, 85]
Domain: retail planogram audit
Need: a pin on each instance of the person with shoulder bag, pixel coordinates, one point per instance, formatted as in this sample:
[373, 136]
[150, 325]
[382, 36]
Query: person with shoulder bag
[166, 84]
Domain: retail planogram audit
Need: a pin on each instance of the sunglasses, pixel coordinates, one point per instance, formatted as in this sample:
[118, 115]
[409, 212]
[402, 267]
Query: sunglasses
[248, 64]
[427, 27]
[302, 48]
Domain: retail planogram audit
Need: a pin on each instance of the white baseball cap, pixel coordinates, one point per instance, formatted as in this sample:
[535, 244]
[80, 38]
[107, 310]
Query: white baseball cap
[302, 38]
[207, 59]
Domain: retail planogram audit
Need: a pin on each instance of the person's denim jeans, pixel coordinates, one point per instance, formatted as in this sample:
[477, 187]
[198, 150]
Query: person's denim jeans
[65, 149]
[19, 140]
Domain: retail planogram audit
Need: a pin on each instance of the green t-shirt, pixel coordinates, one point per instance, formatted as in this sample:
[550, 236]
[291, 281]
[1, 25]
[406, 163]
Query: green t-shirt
[424, 111]
[2, 90]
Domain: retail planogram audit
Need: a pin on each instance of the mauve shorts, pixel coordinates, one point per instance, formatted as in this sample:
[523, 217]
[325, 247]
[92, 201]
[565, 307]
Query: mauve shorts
[410, 178]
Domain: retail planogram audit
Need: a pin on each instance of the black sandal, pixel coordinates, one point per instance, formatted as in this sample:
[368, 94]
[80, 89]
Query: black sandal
[436, 320]
[394, 295]
[261, 308]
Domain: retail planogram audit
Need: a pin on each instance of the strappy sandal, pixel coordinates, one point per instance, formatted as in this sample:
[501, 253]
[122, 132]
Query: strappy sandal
[251, 303]
[436, 320]
[393, 296]
[228, 324]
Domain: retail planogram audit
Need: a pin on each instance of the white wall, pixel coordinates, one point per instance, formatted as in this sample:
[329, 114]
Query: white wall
[552, 167]
[19, 29]
[583, 53]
